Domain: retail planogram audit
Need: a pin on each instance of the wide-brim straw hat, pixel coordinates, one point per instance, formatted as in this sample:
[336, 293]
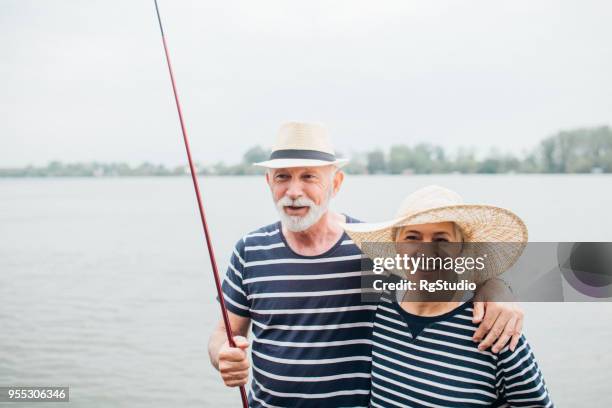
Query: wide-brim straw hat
[301, 144]
[498, 232]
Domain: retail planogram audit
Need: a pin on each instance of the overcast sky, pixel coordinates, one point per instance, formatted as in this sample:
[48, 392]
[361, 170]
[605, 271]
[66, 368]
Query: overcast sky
[86, 80]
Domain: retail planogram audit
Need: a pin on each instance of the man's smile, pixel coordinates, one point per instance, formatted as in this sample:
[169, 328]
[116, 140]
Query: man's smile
[296, 210]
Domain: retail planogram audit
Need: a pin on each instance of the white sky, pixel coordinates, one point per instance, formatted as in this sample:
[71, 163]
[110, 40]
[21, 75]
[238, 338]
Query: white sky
[86, 80]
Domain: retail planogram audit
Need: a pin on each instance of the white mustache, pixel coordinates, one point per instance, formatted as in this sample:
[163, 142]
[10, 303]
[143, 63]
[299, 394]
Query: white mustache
[298, 202]
[297, 223]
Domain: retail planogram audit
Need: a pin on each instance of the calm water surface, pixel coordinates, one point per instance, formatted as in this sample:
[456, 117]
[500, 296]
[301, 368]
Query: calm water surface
[105, 287]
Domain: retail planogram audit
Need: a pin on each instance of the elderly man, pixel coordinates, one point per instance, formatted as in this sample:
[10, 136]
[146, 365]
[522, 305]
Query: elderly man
[298, 282]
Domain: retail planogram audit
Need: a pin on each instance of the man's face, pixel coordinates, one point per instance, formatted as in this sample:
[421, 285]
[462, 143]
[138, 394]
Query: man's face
[302, 194]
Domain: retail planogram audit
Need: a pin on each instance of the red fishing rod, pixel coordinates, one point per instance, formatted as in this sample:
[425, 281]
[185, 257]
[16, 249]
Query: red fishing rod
[213, 262]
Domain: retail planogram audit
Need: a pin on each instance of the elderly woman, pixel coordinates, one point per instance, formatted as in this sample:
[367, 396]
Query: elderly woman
[423, 353]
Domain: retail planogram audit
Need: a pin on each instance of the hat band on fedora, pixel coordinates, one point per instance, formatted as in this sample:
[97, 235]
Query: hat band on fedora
[302, 154]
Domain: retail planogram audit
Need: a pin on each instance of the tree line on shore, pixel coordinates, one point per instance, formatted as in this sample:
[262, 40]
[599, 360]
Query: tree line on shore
[583, 150]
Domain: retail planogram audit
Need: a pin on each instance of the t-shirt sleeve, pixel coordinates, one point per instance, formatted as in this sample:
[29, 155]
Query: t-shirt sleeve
[519, 380]
[234, 291]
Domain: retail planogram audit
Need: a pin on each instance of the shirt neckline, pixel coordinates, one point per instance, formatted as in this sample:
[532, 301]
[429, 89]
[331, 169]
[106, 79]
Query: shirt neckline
[325, 254]
[428, 320]
[432, 319]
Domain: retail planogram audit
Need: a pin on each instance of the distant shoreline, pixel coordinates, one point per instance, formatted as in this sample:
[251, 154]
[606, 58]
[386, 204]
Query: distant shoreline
[577, 151]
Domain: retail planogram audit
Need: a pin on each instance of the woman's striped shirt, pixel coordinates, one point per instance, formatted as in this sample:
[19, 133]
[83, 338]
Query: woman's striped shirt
[442, 367]
[312, 335]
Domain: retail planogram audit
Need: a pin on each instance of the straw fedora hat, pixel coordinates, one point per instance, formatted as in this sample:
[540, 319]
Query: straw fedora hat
[498, 232]
[301, 144]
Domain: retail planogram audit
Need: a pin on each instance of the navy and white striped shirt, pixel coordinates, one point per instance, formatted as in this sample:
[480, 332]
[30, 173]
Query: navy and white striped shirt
[312, 335]
[442, 366]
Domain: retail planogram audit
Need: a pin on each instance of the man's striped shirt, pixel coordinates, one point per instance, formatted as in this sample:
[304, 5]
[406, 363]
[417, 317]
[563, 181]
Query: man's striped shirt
[442, 366]
[312, 335]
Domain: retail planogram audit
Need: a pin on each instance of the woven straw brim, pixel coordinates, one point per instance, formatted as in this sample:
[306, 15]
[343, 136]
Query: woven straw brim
[486, 227]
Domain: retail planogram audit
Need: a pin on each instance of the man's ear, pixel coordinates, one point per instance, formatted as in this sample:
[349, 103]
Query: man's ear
[338, 179]
[268, 176]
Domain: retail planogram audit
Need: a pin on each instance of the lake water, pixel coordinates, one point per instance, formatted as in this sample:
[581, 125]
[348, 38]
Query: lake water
[105, 284]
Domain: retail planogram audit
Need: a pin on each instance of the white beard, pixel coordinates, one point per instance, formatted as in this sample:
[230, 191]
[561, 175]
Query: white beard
[295, 223]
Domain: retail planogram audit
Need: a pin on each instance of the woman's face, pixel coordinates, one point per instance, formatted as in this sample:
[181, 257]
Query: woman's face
[439, 240]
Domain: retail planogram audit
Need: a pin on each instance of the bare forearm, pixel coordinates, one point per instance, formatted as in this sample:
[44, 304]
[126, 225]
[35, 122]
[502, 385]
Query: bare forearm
[217, 339]
[232, 362]
[240, 327]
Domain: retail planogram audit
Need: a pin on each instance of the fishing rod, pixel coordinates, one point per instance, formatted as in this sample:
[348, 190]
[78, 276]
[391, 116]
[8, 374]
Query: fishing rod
[213, 262]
